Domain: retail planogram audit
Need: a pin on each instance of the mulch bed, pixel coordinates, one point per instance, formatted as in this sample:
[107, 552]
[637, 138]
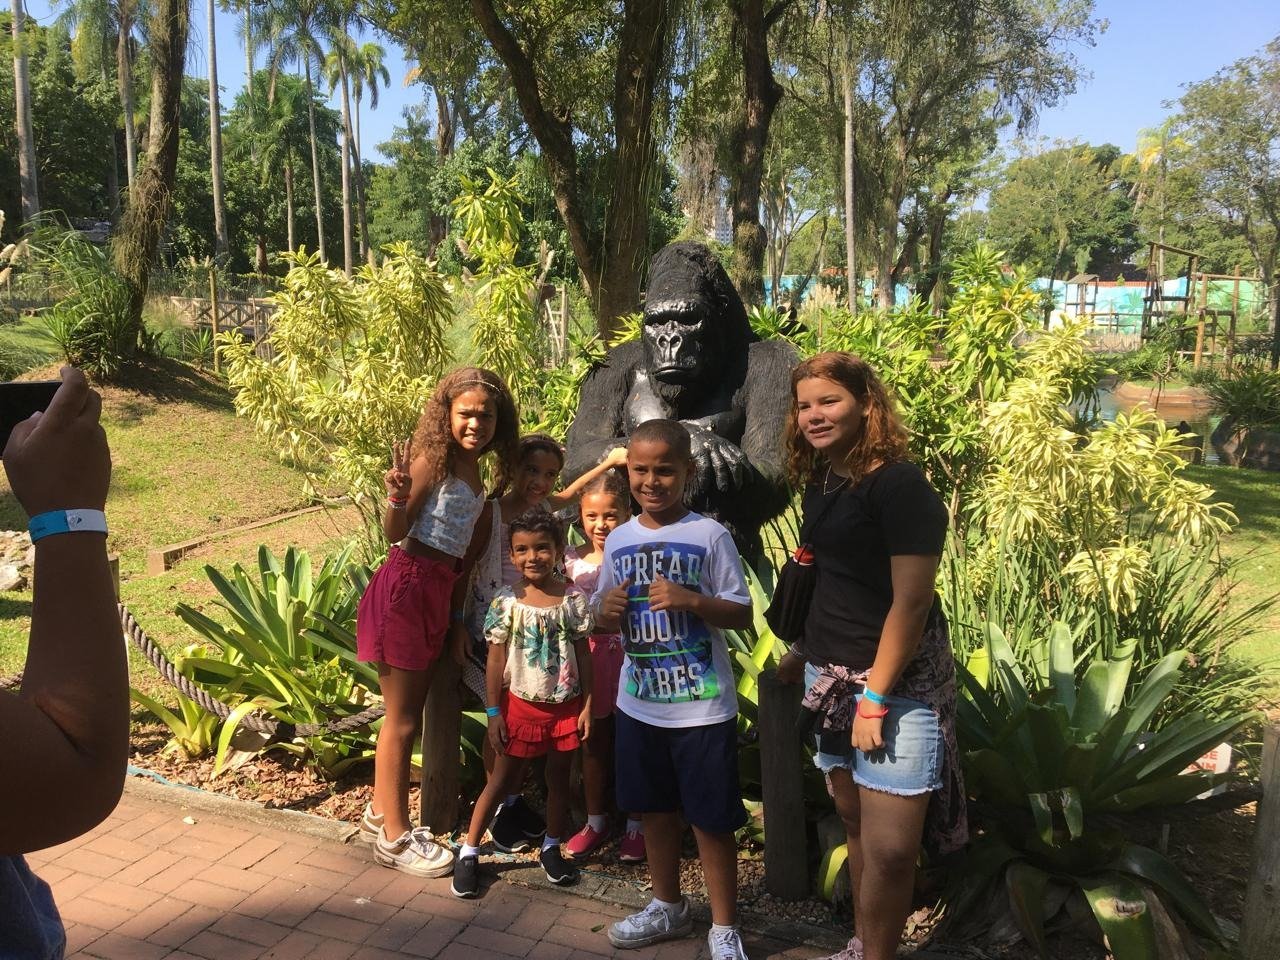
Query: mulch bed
[1213, 851]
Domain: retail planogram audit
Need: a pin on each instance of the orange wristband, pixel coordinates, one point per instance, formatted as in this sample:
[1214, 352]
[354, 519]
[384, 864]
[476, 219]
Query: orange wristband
[884, 712]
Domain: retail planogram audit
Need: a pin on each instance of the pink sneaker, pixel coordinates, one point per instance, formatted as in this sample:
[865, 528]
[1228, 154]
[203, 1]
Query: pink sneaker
[631, 849]
[585, 842]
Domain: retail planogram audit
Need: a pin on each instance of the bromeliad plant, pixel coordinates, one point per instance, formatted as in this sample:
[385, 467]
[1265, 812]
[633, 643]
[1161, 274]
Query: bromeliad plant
[289, 651]
[193, 727]
[1054, 772]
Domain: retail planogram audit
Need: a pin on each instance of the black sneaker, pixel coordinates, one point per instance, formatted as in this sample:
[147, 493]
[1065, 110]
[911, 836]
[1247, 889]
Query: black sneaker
[558, 870]
[505, 830]
[466, 877]
[531, 825]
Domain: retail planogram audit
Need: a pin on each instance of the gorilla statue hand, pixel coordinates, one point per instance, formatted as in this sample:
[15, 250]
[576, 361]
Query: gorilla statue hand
[721, 465]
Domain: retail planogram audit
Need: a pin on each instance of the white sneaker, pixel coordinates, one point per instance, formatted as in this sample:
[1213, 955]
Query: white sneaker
[413, 852]
[652, 924]
[370, 825]
[726, 945]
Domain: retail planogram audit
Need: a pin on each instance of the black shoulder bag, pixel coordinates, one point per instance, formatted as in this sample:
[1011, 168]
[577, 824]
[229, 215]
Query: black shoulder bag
[789, 608]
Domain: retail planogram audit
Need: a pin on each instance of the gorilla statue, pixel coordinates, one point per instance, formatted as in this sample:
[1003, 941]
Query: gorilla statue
[698, 361]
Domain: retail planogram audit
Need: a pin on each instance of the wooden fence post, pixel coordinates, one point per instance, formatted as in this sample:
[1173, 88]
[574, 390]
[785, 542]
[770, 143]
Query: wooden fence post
[213, 312]
[1260, 931]
[441, 733]
[786, 861]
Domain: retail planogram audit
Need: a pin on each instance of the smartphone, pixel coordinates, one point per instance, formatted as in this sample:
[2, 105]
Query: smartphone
[20, 400]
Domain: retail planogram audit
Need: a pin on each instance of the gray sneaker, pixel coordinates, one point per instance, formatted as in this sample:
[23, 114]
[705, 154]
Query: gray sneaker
[726, 945]
[653, 924]
[414, 852]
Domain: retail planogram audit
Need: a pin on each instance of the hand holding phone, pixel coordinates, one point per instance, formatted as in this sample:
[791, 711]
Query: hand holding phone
[58, 459]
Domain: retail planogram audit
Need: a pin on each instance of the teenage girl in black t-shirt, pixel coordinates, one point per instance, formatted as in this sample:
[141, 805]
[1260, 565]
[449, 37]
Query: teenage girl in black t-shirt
[875, 652]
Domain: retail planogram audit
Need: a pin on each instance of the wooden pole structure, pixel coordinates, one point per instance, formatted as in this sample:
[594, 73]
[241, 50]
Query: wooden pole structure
[786, 866]
[1260, 931]
[564, 323]
[1231, 322]
[1199, 342]
[213, 310]
[441, 732]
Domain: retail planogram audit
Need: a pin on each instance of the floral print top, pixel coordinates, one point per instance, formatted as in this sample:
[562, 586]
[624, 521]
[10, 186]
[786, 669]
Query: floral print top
[585, 576]
[542, 665]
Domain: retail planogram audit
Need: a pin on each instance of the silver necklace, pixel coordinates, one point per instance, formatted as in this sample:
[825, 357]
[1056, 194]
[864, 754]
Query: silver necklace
[827, 480]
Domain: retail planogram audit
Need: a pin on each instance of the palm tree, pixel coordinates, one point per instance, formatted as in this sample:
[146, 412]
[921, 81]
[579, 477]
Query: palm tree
[292, 29]
[366, 70]
[276, 133]
[116, 22]
[335, 70]
[215, 141]
[22, 119]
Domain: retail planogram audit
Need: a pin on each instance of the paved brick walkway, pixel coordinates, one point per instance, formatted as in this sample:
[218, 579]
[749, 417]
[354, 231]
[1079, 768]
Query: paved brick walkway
[146, 885]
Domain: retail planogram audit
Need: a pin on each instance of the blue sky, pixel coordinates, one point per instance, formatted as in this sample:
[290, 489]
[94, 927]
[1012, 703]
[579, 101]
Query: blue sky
[1149, 51]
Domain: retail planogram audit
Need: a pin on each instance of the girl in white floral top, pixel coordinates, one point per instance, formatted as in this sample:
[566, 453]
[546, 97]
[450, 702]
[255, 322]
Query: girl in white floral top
[538, 685]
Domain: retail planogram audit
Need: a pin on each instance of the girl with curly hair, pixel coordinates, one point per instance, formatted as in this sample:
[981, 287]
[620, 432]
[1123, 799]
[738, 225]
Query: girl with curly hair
[434, 496]
[875, 654]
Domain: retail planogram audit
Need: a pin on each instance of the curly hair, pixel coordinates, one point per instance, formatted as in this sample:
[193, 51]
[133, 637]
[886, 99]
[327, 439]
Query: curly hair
[538, 520]
[433, 437]
[882, 437]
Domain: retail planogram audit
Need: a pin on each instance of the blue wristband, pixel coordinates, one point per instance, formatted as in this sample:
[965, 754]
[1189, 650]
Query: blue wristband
[492, 711]
[66, 521]
[873, 696]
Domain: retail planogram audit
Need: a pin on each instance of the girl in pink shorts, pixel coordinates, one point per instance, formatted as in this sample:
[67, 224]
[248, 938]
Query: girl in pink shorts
[606, 503]
[434, 495]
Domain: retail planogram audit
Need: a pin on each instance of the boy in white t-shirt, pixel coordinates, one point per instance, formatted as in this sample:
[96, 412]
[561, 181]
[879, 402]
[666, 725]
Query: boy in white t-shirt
[671, 580]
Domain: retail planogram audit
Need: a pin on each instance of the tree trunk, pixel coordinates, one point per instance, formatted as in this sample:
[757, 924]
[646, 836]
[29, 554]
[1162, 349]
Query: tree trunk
[113, 165]
[124, 81]
[215, 143]
[611, 265]
[348, 244]
[760, 96]
[366, 250]
[260, 263]
[315, 160]
[135, 245]
[931, 274]
[446, 135]
[248, 53]
[850, 186]
[288, 204]
[27, 174]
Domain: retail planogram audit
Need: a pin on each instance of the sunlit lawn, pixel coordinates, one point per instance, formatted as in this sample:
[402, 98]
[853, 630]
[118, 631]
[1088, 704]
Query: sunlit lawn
[1254, 545]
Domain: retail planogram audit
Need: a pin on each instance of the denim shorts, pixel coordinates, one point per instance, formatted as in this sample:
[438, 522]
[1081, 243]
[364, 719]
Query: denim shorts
[909, 764]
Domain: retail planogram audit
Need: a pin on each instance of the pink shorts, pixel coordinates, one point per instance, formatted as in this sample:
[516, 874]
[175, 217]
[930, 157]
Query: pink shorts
[404, 613]
[606, 668]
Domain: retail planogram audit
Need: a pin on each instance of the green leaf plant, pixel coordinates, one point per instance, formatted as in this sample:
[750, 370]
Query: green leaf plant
[289, 651]
[1054, 768]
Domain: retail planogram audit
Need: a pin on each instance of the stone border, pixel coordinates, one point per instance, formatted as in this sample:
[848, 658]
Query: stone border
[162, 559]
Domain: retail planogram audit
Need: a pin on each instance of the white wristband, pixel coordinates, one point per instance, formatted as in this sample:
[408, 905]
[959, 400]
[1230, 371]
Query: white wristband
[67, 521]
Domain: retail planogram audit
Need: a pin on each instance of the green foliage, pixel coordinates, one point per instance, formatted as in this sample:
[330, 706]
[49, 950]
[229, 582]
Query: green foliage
[1064, 209]
[289, 651]
[353, 361]
[193, 727]
[504, 318]
[1249, 395]
[1052, 766]
[92, 323]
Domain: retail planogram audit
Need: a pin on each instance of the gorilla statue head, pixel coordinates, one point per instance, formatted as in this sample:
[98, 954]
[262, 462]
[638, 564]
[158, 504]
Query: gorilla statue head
[692, 315]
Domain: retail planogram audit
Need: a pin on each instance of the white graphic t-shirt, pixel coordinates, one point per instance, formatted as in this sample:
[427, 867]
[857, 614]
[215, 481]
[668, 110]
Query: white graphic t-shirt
[677, 671]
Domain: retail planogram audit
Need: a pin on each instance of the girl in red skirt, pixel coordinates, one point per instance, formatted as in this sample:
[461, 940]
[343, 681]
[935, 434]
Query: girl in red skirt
[434, 495]
[538, 681]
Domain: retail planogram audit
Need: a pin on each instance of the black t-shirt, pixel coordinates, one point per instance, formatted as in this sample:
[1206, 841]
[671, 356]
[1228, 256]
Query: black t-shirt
[892, 511]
